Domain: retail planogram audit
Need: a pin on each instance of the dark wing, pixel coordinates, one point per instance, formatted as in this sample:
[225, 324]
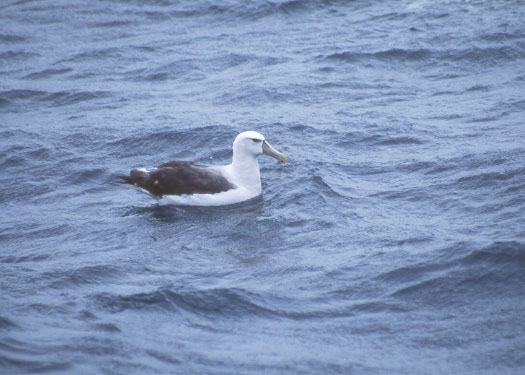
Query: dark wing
[179, 177]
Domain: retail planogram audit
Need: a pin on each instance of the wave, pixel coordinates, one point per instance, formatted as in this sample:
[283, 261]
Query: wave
[106, 327]
[11, 38]
[6, 323]
[234, 303]
[18, 100]
[62, 98]
[459, 276]
[21, 258]
[140, 11]
[510, 254]
[386, 140]
[183, 70]
[15, 56]
[322, 186]
[88, 275]
[387, 55]
[31, 231]
[19, 356]
[227, 302]
[25, 190]
[46, 73]
[188, 69]
[83, 176]
[22, 94]
[501, 36]
[469, 173]
[171, 140]
[407, 194]
[12, 161]
[94, 55]
[475, 55]
[487, 179]
[172, 214]
[227, 10]
[115, 23]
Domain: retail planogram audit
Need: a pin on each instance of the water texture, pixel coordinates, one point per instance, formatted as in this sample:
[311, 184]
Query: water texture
[393, 242]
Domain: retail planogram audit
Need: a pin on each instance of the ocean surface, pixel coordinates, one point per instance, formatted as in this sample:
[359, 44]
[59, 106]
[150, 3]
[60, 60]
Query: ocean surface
[392, 242]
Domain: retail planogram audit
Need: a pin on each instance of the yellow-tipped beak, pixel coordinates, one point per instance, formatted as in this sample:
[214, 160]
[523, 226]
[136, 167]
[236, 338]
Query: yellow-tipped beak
[270, 151]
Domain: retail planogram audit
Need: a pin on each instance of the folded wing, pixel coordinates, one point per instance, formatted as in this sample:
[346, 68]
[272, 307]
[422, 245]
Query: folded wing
[177, 178]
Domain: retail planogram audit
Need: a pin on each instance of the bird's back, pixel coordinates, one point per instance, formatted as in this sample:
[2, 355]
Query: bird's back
[179, 177]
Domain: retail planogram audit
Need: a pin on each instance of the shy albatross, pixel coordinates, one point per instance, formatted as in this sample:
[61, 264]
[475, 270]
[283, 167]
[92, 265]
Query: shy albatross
[186, 183]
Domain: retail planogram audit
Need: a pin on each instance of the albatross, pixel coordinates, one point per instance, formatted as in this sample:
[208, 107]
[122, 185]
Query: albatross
[190, 184]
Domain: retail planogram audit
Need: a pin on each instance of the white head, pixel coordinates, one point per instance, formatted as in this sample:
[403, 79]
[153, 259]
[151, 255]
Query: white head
[251, 144]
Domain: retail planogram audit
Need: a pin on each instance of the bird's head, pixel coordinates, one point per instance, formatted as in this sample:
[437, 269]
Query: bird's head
[252, 143]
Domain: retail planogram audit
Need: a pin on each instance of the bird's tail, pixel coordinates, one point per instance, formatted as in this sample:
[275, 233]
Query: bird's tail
[126, 180]
[136, 177]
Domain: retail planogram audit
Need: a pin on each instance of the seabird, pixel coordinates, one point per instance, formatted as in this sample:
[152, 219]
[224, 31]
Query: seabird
[186, 183]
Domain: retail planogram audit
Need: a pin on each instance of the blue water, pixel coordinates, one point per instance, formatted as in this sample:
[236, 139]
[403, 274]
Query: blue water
[392, 242]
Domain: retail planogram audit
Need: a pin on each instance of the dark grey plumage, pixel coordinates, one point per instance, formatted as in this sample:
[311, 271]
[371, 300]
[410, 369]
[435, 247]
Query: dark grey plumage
[177, 178]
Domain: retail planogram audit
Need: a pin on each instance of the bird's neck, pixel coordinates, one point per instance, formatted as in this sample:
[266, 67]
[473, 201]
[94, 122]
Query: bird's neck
[246, 171]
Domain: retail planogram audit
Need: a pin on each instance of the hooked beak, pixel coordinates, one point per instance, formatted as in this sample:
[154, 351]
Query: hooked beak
[270, 151]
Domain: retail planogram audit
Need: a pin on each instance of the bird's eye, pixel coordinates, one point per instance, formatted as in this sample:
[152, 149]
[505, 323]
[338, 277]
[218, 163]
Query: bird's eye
[255, 140]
